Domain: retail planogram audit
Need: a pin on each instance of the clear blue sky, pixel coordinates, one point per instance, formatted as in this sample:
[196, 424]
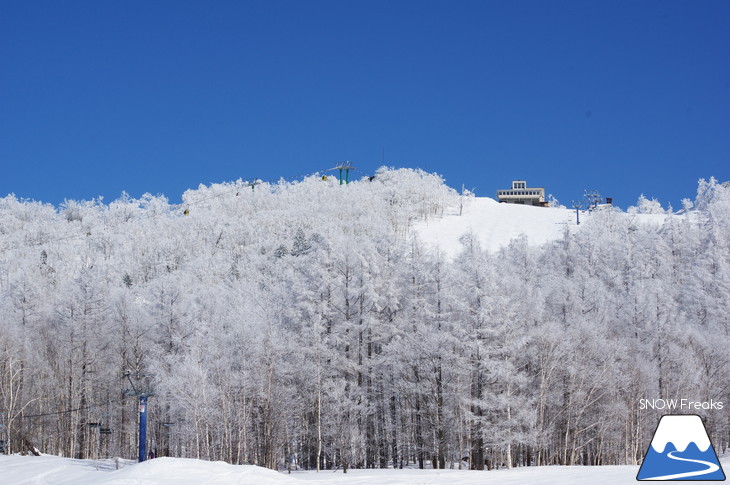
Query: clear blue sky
[626, 97]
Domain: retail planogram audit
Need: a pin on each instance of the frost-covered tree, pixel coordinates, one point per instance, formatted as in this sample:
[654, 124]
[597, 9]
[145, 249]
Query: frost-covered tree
[646, 206]
[302, 324]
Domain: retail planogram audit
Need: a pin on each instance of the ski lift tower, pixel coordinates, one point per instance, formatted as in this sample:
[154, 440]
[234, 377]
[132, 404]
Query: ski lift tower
[577, 205]
[593, 198]
[346, 167]
[142, 393]
[253, 183]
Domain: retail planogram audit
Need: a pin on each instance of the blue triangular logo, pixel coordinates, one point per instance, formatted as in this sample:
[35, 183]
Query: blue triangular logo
[681, 450]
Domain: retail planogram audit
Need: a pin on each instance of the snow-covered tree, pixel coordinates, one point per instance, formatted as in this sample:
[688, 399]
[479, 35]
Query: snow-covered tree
[302, 324]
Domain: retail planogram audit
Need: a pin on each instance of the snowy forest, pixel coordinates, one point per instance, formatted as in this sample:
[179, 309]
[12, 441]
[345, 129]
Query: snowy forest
[303, 324]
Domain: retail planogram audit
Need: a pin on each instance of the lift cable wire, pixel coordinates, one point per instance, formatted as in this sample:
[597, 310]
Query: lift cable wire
[93, 406]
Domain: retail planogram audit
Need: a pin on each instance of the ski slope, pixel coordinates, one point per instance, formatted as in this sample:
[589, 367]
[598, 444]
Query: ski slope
[46, 469]
[494, 225]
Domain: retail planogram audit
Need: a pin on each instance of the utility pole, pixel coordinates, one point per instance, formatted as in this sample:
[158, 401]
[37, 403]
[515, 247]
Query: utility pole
[142, 394]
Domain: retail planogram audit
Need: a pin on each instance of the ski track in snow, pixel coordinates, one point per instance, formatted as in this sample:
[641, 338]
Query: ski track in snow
[712, 468]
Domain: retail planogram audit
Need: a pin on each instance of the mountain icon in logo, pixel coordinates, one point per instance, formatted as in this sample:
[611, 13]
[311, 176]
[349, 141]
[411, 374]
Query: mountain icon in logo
[681, 450]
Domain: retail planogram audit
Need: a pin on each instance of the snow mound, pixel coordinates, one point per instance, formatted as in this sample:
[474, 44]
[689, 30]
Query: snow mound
[185, 471]
[48, 469]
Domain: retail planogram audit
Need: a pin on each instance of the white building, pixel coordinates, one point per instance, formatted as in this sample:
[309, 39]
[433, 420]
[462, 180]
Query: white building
[522, 194]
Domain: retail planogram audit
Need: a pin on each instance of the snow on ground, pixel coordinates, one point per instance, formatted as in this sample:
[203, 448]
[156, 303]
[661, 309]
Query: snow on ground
[495, 224]
[53, 470]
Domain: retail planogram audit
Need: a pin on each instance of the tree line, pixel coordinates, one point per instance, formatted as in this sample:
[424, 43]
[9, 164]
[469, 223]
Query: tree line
[303, 324]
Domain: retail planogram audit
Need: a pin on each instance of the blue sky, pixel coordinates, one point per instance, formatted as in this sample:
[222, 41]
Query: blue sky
[625, 97]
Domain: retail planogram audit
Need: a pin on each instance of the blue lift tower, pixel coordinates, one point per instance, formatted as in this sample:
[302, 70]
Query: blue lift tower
[142, 394]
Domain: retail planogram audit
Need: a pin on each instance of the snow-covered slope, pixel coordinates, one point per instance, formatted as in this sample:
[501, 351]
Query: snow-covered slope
[31, 470]
[495, 225]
